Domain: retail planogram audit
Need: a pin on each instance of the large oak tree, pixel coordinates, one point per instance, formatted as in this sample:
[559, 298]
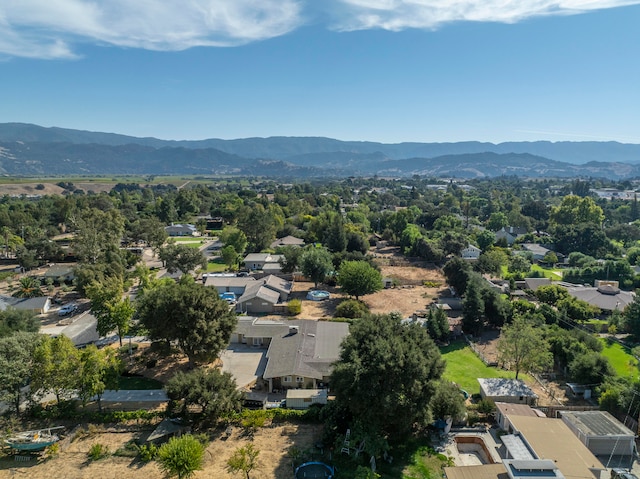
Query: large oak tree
[189, 313]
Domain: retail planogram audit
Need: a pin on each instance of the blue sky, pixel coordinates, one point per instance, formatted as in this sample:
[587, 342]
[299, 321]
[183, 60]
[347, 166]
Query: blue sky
[379, 70]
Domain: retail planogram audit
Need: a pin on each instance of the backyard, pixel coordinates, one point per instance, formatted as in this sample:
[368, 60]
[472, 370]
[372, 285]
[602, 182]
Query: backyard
[621, 359]
[464, 367]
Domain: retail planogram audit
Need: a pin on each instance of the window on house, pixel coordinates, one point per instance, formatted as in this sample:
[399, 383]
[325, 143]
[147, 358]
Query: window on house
[299, 379]
[286, 379]
[257, 341]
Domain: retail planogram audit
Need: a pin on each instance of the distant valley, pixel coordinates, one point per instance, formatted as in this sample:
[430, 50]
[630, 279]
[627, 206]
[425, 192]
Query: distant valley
[31, 150]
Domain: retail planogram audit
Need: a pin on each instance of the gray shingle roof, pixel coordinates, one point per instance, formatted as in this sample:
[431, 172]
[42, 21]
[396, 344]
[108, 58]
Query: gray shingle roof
[257, 290]
[607, 302]
[29, 304]
[309, 353]
[233, 282]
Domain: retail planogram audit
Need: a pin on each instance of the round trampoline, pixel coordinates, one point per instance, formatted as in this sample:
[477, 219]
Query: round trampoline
[314, 470]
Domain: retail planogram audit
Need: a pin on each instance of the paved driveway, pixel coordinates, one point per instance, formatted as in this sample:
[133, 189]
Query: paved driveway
[245, 363]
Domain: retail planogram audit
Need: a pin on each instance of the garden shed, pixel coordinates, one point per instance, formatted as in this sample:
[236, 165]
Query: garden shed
[507, 390]
[303, 398]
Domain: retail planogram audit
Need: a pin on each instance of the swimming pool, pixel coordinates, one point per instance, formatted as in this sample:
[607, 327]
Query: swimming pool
[318, 295]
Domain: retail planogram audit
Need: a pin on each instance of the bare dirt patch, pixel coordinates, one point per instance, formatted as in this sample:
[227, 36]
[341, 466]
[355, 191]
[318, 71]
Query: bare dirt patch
[407, 296]
[273, 443]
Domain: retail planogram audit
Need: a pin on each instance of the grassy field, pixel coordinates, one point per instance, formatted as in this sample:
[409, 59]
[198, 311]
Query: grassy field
[620, 358]
[464, 368]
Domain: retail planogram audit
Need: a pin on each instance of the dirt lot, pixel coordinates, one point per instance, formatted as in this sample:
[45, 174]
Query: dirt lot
[273, 443]
[407, 296]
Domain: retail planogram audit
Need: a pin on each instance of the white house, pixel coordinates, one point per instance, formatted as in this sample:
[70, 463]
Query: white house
[471, 253]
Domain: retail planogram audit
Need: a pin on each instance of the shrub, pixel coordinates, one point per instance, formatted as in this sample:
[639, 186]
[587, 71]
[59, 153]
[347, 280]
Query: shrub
[98, 451]
[130, 449]
[52, 451]
[486, 406]
[351, 308]
[181, 456]
[294, 307]
[148, 452]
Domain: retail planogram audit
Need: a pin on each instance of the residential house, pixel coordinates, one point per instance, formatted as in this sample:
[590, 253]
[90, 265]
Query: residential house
[471, 253]
[534, 283]
[605, 295]
[287, 241]
[263, 261]
[263, 295]
[552, 439]
[506, 390]
[303, 356]
[254, 296]
[38, 305]
[215, 223]
[181, 230]
[537, 447]
[510, 234]
[229, 284]
[540, 251]
[60, 273]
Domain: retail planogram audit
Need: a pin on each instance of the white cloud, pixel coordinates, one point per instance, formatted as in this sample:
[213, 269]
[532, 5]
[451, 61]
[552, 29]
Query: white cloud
[46, 28]
[398, 15]
[51, 28]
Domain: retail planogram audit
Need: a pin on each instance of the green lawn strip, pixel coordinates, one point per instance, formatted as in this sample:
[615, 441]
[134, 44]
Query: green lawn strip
[216, 266]
[620, 358]
[464, 368]
[548, 273]
[138, 383]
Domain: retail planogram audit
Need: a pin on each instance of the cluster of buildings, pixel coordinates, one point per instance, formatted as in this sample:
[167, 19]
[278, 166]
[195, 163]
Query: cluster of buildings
[555, 443]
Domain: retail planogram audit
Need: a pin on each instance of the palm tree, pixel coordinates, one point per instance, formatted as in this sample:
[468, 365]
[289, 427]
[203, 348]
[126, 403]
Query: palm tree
[29, 287]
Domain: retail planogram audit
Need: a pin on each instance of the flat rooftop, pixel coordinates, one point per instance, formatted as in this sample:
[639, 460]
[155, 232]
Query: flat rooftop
[552, 439]
[597, 423]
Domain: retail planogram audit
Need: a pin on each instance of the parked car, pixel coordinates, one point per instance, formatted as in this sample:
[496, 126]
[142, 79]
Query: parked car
[68, 309]
[229, 297]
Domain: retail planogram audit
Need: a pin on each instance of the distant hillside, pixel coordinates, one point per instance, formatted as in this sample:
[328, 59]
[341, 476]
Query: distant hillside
[31, 150]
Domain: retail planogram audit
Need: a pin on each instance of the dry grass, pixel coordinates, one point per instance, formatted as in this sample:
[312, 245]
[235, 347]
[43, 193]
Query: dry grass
[72, 462]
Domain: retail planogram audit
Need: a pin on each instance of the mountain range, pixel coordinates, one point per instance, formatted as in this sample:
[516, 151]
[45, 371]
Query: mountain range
[31, 150]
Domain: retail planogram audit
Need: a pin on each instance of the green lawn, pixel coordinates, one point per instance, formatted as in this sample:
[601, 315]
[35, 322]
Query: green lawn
[464, 368]
[620, 358]
[216, 266]
[553, 275]
[138, 383]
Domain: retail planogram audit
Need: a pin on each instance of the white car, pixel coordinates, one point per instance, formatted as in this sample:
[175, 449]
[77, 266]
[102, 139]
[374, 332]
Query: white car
[68, 309]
